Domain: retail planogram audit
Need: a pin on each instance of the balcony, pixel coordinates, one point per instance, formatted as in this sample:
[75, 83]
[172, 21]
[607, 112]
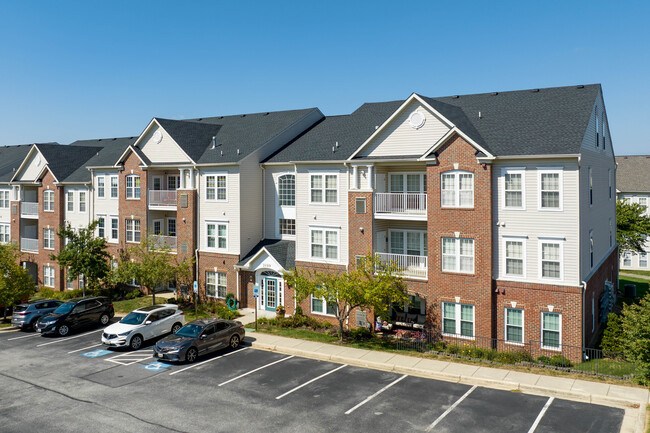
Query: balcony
[408, 266]
[29, 245]
[28, 209]
[160, 241]
[401, 205]
[162, 199]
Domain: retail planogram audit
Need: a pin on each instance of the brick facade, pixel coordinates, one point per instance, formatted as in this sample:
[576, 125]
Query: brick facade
[186, 224]
[217, 262]
[132, 208]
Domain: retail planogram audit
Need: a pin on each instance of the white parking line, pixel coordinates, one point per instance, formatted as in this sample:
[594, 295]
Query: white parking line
[24, 336]
[68, 338]
[89, 347]
[541, 414]
[205, 362]
[375, 394]
[132, 357]
[311, 381]
[452, 407]
[253, 371]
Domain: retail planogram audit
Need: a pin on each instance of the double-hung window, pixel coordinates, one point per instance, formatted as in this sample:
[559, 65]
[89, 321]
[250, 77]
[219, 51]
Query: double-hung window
[458, 319]
[4, 199]
[609, 182]
[48, 200]
[101, 187]
[101, 227]
[513, 189]
[409, 242]
[514, 325]
[115, 223]
[215, 284]
[514, 249]
[70, 199]
[457, 189]
[458, 255]
[321, 306]
[217, 236]
[215, 187]
[5, 233]
[132, 230]
[627, 258]
[114, 186]
[48, 239]
[643, 260]
[591, 249]
[133, 187]
[82, 201]
[550, 189]
[323, 188]
[550, 256]
[551, 330]
[324, 244]
[48, 276]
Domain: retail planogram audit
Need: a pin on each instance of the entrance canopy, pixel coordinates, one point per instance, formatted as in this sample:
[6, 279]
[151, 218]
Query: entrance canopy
[277, 255]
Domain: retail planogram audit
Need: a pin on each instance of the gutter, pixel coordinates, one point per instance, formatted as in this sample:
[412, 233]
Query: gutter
[584, 291]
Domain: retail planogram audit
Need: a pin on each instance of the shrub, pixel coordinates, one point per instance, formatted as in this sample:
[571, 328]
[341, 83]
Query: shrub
[361, 334]
[544, 360]
[613, 339]
[561, 361]
[298, 311]
[134, 294]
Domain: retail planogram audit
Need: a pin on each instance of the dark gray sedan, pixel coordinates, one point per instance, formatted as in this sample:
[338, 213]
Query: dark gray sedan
[198, 338]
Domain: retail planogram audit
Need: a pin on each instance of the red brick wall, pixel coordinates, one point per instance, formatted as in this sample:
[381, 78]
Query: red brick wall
[608, 271]
[217, 262]
[15, 220]
[130, 208]
[186, 224]
[360, 243]
[474, 223]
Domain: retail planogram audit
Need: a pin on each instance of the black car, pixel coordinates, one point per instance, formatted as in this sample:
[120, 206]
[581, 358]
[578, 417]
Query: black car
[198, 338]
[76, 313]
[26, 314]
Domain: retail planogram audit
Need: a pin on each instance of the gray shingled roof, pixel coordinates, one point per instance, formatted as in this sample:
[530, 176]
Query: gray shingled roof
[523, 122]
[64, 160]
[193, 137]
[11, 157]
[283, 251]
[108, 151]
[633, 173]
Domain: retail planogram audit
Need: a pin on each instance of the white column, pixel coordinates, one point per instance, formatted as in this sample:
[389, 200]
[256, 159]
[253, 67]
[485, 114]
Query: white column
[355, 177]
[371, 178]
[191, 178]
[181, 183]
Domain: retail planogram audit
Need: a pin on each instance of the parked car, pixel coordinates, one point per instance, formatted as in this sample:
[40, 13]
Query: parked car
[76, 313]
[198, 338]
[143, 324]
[26, 314]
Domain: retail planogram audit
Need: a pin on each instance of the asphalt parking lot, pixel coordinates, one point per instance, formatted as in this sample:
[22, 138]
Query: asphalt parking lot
[74, 384]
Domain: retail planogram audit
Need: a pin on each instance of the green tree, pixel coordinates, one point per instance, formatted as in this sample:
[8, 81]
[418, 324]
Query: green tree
[16, 284]
[613, 340]
[84, 253]
[151, 265]
[371, 284]
[635, 325]
[632, 226]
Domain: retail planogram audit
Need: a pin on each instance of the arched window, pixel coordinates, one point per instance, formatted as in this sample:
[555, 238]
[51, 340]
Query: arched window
[270, 274]
[287, 190]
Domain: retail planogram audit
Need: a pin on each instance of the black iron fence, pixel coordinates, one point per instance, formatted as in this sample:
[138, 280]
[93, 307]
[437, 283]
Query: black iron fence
[531, 353]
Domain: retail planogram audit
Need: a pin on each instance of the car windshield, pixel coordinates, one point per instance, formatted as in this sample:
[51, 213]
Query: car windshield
[190, 330]
[134, 319]
[64, 308]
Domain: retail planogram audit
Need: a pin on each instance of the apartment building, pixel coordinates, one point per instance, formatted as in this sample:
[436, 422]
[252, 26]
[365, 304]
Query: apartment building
[497, 207]
[633, 184]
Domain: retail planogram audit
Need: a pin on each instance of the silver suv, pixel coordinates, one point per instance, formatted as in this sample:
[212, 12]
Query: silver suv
[26, 315]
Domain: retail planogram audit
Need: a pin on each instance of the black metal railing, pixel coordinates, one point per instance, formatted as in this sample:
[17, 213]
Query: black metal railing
[530, 353]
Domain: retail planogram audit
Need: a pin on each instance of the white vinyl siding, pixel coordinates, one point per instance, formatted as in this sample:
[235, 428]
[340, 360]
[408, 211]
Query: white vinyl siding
[166, 151]
[241, 210]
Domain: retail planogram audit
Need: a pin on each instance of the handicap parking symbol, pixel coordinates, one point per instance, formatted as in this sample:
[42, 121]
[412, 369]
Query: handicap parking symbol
[155, 366]
[96, 353]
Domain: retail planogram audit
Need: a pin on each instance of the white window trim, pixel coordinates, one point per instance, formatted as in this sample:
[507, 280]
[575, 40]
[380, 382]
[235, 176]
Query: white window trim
[521, 239]
[2, 199]
[46, 277]
[132, 188]
[52, 238]
[103, 189]
[325, 229]
[168, 219]
[323, 174]
[541, 328]
[457, 319]
[646, 259]
[422, 176]
[111, 238]
[7, 231]
[48, 191]
[161, 221]
[277, 188]
[514, 170]
[319, 313]
[523, 326]
[110, 186]
[550, 170]
[69, 200]
[216, 195]
[458, 256]
[85, 201]
[216, 284]
[590, 186]
[456, 174]
[126, 230]
[284, 235]
[550, 240]
[102, 217]
[216, 236]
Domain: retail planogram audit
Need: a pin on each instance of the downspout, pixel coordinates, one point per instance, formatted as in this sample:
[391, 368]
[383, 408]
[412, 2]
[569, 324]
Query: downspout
[198, 223]
[583, 284]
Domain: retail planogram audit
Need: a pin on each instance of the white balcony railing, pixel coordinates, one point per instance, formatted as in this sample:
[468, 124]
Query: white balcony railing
[408, 266]
[28, 208]
[413, 203]
[28, 244]
[162, 198]
[160, 241]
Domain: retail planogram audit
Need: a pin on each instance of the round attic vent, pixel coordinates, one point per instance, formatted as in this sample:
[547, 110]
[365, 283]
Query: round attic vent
[417, 119]
[157, 137]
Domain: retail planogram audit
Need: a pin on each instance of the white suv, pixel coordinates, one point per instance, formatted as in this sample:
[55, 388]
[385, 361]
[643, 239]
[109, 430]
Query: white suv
[143, 324]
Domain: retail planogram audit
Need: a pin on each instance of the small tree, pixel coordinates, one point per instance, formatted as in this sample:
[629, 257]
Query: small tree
[372, 284]
[632, 226]
[635, 325]
[151, 265]
[16, 284]
[84, 254]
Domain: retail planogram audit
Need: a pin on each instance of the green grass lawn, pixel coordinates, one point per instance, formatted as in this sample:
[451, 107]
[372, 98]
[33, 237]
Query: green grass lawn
[4, 324]
[123, 307]
[646, 273]
[609, 367]
[641, 288]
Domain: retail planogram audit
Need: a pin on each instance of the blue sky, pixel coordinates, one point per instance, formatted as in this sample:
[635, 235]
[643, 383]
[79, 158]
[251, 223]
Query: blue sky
[76, 70]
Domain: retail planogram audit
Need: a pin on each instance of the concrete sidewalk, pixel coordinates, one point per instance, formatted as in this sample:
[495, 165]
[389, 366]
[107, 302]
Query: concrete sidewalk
[632, 399]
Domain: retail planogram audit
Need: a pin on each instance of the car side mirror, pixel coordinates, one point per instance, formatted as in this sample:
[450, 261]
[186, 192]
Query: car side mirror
[148, 322]
[203, 337]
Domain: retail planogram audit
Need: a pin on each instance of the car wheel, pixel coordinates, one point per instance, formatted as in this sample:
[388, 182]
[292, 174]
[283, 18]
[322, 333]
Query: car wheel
[104, 319]
[136, 342]
[176, 327]
[63, 330]
[234, 342]
[34, 324]
[191, 355]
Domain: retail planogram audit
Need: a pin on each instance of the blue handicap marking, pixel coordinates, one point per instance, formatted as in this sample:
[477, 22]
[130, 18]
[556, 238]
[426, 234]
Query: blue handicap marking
[155, 366]
[96, 353]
